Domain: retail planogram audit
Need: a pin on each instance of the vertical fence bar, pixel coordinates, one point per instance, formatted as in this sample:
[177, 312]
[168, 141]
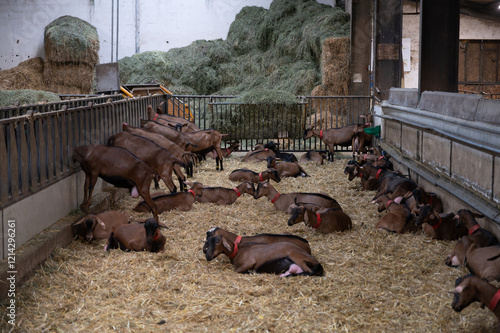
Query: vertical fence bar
[14, 162]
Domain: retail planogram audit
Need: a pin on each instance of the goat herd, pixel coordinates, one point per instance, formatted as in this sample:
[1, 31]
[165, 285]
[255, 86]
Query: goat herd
[137, 157]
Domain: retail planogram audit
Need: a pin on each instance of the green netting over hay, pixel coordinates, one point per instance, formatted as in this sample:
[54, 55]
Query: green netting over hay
[276, 49]
[25, 96]
[70, 39]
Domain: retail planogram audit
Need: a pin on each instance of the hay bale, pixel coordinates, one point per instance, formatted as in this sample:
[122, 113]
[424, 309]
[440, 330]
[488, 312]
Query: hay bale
[27, 75]
[68, 79]
[69, 39]
[25, 96]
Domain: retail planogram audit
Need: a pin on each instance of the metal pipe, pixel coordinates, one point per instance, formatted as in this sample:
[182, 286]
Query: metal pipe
[112, 26]
[117, 25]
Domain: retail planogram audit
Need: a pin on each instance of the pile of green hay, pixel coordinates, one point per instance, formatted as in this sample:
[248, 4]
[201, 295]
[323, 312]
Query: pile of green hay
[25, 96]
[265, 51]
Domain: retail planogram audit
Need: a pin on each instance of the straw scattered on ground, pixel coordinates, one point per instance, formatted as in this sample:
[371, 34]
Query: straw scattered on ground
[374, 280]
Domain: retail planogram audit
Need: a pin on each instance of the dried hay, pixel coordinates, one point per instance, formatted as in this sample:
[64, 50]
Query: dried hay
[27, 75]
[26, 97]
[374, 281]
[68, 78]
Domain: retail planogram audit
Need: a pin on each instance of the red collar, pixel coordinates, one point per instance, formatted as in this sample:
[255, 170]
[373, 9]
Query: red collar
[235, 250]
[438, 224]
[381, 157]
[474, 229]
[360, 175]
[156, 115]
[378, 173]
[157, 234]
[318, 223]
[364, 159]
[494, 301]
[192, 192]
[430, 200]
[320, 134]
[237, 192]
[275, 198]
[388, 203]
[228, 151]
[260, 177]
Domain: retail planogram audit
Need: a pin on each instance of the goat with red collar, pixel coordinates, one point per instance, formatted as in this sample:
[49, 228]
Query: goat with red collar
[324, 220]
[284, 258]
[469, 289]
[137, 237]
[254, 177]
[332, 137]
[224, 196]
[439, 226]
[181, 200]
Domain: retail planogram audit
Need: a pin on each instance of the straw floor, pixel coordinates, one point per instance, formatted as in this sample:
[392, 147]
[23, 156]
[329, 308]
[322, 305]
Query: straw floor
[374, 281]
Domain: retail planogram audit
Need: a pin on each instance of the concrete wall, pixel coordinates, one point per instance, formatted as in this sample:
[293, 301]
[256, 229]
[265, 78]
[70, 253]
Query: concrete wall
[142, 25]
[448, 143]
[470, 28]
[42, 209]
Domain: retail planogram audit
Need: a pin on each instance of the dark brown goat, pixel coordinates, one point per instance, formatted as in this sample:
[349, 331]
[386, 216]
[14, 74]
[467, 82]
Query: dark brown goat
[181, 200]
[413, 199]
[390, 183]
[259, 238]
[325, 220]
[233, 146]
[200, 142]
[282, 201]
[286, 169]
[313, 156]
[254, 177]
[117, 166]
[478, 235]
[187, 157]
[224, 196]
[99, 226]
[157, 157]
[284, 258]
[137, 237]
[398, 218]
[469, 289]
[353, 170]
[331, 137]
[439, 226]
[258, 155]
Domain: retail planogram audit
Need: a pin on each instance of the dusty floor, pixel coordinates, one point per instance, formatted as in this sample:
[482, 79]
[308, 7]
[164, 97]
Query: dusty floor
[374, 281]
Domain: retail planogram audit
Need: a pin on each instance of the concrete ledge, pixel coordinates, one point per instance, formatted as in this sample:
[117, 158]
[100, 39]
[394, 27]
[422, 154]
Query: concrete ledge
[32, 254]
[450, 104]
[404, 97]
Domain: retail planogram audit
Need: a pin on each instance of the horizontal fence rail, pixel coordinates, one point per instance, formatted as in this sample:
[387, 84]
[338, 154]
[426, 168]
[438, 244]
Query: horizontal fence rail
[17, 111]
[36, 148]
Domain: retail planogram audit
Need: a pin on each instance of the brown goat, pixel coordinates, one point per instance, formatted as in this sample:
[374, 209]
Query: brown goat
[353, 170]
[398, 218]
[439, 226]
[331, 137]
[187, 157]
[390, 183]
[181, 200]
[313, 156]
[282, 201]
[154, 155]
[469, 289]
[259, 238]
[484, 262]
[200, 142]
[233, 146]
[284, 258]
[137, 237]
[224, 196]
[286, 169]
[254, 177]
[360, 139]
[117, 166]
[187, 126]
[258, 155]
[99, 226]
[325, 220]
[417, 197]
[478, 235]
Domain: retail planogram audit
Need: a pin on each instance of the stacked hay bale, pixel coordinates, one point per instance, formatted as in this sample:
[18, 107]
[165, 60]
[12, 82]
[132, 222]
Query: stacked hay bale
[27, 75]
[335, 79]
[71, 53]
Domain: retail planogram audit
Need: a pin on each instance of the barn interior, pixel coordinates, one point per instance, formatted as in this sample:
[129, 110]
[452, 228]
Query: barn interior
[439, 123]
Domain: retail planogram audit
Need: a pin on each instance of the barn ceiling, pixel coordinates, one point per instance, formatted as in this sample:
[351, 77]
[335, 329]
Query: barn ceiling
[486, 9]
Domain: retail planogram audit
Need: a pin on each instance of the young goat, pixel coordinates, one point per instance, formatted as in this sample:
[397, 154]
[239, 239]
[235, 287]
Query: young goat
[282, 201]
[286, 169]
[325, 220]
[469, 289]
[284, 258]
[224, 196]
[181, 200]
[137, 237]
[259, 238]
[99, 226]
[254, 177]
[439, 226]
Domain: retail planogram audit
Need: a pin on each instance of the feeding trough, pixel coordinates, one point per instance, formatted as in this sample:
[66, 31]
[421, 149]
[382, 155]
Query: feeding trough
[373, 130]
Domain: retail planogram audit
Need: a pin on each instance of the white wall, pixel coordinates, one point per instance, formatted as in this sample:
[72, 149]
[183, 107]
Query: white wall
[144, 25]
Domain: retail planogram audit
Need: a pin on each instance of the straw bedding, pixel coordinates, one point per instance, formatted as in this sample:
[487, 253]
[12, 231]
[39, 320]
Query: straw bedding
[374, 281]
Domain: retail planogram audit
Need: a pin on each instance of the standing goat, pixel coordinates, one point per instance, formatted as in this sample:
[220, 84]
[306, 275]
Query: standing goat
[331, 137]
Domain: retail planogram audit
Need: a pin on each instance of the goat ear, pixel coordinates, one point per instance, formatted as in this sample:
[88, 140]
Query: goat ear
[478, 216]
[82, 220]
[408, 194]
[226, 245]
[100, 222]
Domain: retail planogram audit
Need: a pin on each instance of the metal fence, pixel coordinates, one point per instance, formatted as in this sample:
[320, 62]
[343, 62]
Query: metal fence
[36, 148]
